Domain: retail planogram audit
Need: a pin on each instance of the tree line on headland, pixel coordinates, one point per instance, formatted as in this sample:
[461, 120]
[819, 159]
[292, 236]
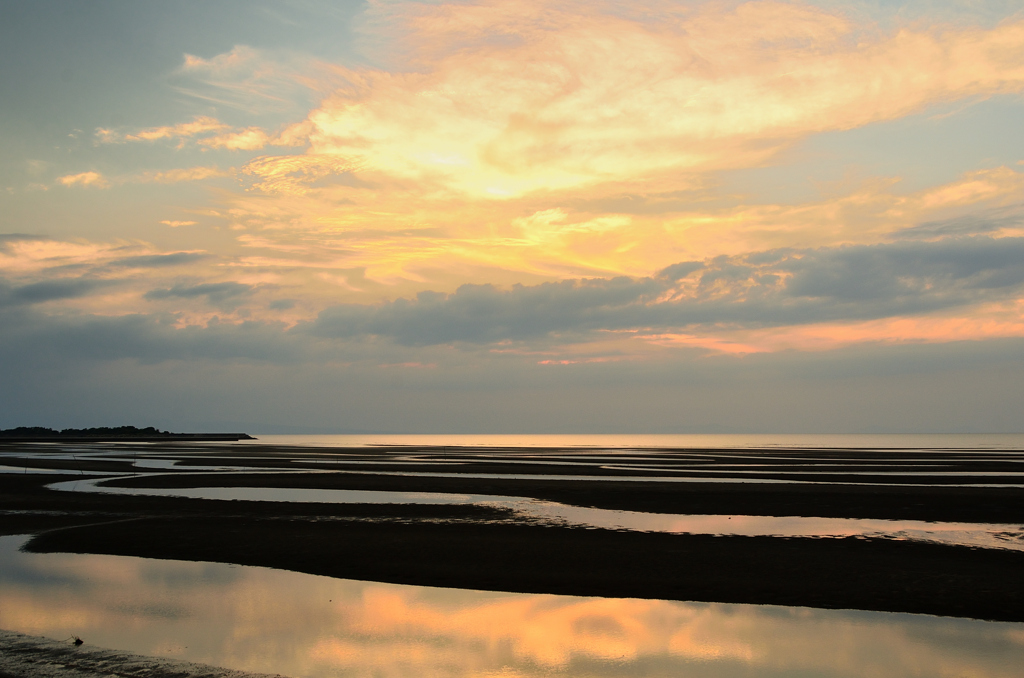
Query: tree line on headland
[110, 432]
[101, 431]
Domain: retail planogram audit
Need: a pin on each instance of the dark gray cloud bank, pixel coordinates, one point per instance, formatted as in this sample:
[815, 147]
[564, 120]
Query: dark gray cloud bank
[47, 290]
[427, 364]
[766, 289]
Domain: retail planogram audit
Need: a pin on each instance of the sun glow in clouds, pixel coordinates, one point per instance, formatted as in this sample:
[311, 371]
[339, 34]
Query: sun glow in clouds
[570, 183]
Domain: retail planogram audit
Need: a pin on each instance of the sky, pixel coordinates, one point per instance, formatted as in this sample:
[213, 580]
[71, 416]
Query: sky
[512, 217]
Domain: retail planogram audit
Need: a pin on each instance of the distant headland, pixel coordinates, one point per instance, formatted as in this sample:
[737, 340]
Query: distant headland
[23, 434]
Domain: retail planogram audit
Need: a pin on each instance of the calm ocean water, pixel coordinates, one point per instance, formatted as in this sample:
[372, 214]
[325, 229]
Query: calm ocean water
[986, 441]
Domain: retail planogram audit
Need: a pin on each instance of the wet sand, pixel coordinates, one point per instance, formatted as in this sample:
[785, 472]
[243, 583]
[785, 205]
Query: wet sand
[487, 548]
[23, 656]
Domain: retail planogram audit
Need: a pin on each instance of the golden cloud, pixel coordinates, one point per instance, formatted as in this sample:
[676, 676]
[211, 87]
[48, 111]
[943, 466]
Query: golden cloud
[250, 139]
[31, 255]
[460, 163]
[520, 143]
[290, 175]
[990, 321]
[91, 179]
[502, 103]
[200, 125]
[184, 174]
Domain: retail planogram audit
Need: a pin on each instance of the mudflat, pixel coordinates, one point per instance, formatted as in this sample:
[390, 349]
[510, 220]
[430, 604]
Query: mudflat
[23, 656]
[486, 547]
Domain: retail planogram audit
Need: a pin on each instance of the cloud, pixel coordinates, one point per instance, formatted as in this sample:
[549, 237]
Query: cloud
[211, 133]
[990, 322]
[868, 273]
[32, 255]
[291, 175]
[715, 304]
[769, 289]
[215, 293]
[200, 125]
[253, 80]
[250, 139]
[175, 176]
[147, 338]
[160, 260]
[176, 224]
[48, 290]
[485, 314]
[677, 272]
[255, 138]
[492, 103]
[1001, 220]
[90, 179]
[6, 238]
[563, 140]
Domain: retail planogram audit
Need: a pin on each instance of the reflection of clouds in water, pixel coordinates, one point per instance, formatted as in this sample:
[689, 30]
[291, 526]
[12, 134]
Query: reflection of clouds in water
[301, 625]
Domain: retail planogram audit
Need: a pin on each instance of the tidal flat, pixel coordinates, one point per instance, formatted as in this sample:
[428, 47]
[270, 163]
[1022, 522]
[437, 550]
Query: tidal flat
[923, 531]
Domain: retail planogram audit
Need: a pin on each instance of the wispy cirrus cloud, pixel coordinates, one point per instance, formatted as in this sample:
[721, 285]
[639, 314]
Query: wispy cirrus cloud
[207, 132]
[199, 126]
[253, 80]
[93, 179]
[250, 139]
[174, 176]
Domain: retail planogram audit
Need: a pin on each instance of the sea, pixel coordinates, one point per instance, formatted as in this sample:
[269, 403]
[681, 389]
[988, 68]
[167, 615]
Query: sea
[980, 441]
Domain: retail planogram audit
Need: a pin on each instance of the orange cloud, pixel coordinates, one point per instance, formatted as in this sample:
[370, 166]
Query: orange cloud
[578, 99]
[290, 175]
[198, 126]
[517, 144]
[91, 179]
[991, 321]
[250, 139]
[31, 255]
[184, 174]
[496, 147]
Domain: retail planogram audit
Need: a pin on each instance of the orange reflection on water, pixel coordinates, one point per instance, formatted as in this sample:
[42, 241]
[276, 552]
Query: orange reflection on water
[301, 625]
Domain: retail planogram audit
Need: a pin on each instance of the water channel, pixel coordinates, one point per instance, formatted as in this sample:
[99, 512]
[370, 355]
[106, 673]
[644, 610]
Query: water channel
[979, 535]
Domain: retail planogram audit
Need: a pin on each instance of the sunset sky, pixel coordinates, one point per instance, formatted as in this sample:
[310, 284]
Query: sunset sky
[531, 216]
